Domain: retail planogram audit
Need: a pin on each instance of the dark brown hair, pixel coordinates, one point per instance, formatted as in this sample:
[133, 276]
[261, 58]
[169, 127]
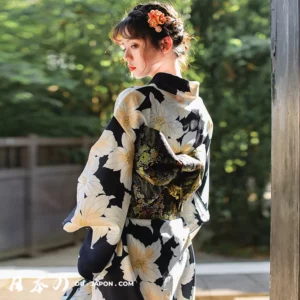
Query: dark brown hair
[135, 23]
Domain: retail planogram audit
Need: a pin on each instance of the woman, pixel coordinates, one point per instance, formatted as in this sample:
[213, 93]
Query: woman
[143, 194]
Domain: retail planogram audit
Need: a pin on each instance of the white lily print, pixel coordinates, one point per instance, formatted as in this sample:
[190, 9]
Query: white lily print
[127, 269]
[162, 117]
[116, 216]
[188, 274]
[183, 104]
[88, 183]
[186, 145]
[189, 214]
[143, 258]
[187, 277]
[89, 213]
[126, 111]
[122, 159]
[104, 145]
[201, 154]
[174, 229]
[176, 268]
[186, 107]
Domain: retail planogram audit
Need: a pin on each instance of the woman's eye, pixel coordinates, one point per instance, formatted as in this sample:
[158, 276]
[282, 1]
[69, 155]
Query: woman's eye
[132, 46]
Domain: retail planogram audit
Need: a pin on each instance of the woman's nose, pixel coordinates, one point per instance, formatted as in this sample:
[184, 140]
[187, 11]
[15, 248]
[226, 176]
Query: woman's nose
[127, 55]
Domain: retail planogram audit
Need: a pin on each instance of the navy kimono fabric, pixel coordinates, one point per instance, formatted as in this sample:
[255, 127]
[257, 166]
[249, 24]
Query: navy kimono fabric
[143, 195]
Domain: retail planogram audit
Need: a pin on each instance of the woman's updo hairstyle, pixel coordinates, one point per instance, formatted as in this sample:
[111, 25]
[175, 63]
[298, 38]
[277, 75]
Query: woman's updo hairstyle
[135, 26]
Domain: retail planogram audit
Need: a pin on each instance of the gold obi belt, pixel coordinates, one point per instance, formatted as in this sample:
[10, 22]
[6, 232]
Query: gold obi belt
[162, 180]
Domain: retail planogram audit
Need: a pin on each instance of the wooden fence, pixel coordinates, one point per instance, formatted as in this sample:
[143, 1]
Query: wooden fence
[38, 180]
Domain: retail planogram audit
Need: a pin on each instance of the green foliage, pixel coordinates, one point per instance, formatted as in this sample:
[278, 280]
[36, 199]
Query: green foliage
[59, 71]
[232, 59]
[60, 75]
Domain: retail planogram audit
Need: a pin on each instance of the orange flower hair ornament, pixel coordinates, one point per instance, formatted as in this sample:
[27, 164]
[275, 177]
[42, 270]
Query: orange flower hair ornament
[157, 18]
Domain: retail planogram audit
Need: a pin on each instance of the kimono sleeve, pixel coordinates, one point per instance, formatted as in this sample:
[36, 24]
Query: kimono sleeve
[195, 210]
[104, 187]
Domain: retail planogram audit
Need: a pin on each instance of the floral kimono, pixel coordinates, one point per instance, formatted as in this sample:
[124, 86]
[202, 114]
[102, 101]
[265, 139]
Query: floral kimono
[143, 195]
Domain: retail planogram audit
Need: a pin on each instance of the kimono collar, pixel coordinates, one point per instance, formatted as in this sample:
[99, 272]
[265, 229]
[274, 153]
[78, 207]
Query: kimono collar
[176, 85]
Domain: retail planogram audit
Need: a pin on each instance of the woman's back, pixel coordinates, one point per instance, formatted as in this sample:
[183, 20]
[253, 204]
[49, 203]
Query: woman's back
[176, 129]
[147, 196]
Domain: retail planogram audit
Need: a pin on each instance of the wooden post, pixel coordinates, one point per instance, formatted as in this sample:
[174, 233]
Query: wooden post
[285, 212]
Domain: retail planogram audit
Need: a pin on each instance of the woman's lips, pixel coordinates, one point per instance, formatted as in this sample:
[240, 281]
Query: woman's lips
[132, 68]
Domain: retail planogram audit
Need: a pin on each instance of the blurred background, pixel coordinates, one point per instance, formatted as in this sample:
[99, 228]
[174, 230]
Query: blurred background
[60, 75]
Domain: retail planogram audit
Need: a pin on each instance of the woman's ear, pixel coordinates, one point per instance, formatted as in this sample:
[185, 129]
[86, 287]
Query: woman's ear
[166, 44]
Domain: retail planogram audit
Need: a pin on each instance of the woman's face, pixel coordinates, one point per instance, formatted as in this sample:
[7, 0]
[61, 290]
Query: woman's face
[142, 56]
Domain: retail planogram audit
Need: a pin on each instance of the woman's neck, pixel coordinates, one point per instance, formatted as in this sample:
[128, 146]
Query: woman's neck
[169, 66]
